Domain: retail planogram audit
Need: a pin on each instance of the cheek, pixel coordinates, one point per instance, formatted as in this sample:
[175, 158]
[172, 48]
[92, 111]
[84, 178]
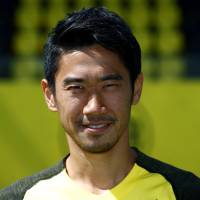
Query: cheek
[121, 111]
[120, 104]
[69, 108]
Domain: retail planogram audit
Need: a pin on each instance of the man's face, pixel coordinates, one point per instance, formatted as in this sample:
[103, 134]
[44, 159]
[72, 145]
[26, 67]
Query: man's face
[93, 98]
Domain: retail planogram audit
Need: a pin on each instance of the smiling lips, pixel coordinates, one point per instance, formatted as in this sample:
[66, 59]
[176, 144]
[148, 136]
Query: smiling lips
[95, 128]
[96, 124]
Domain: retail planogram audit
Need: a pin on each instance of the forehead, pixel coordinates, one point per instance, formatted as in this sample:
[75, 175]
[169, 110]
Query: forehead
[90, 61]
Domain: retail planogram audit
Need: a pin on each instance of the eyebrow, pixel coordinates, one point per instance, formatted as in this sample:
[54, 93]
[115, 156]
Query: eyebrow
[70, 80]
[116, 77]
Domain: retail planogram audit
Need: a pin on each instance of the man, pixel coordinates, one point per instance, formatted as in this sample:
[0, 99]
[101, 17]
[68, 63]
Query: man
[92, 78]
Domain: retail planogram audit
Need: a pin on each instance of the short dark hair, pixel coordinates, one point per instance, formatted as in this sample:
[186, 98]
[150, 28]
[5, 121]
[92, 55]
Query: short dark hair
[87, 27]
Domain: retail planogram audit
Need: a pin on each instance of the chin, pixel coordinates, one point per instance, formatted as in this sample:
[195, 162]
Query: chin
[97, 149]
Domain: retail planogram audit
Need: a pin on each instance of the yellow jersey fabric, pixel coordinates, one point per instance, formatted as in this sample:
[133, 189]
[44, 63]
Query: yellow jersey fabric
[139, 184]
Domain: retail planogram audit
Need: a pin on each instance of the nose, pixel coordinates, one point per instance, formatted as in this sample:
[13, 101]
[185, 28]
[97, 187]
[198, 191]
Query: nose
[94, 105]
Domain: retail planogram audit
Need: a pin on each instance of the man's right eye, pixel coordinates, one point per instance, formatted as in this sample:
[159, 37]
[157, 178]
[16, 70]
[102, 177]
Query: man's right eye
[75, 87]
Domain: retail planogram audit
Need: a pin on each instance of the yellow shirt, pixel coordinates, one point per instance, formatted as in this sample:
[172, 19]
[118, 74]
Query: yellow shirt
[139, 184]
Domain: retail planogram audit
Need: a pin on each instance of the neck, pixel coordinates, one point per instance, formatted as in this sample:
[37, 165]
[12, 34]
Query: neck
[102, 171]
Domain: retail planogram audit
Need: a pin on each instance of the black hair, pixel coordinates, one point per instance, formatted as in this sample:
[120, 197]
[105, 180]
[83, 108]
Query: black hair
[85, 28]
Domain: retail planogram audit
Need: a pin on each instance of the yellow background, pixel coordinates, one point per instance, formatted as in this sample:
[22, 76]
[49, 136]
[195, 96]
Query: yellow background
[166, 126]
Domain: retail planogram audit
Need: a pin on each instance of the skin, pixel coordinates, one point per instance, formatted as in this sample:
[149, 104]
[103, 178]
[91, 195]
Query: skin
[93, 98]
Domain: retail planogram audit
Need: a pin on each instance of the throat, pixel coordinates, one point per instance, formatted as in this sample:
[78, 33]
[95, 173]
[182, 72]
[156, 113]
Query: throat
[98, 176]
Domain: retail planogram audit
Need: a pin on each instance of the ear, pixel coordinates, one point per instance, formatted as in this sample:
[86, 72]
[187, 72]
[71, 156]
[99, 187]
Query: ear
[137, 89]
[48, 95]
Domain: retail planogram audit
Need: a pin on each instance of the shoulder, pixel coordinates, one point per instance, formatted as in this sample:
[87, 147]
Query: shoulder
[17, 190]
[185, 184]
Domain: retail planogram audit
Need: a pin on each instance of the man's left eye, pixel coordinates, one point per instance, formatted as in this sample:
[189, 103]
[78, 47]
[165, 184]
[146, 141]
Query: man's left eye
[111, 85]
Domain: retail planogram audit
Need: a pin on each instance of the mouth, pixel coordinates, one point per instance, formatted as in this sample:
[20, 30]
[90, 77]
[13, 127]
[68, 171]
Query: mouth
[96, 128]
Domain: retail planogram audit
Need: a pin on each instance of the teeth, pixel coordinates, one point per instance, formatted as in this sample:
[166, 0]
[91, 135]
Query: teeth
[97, 126]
